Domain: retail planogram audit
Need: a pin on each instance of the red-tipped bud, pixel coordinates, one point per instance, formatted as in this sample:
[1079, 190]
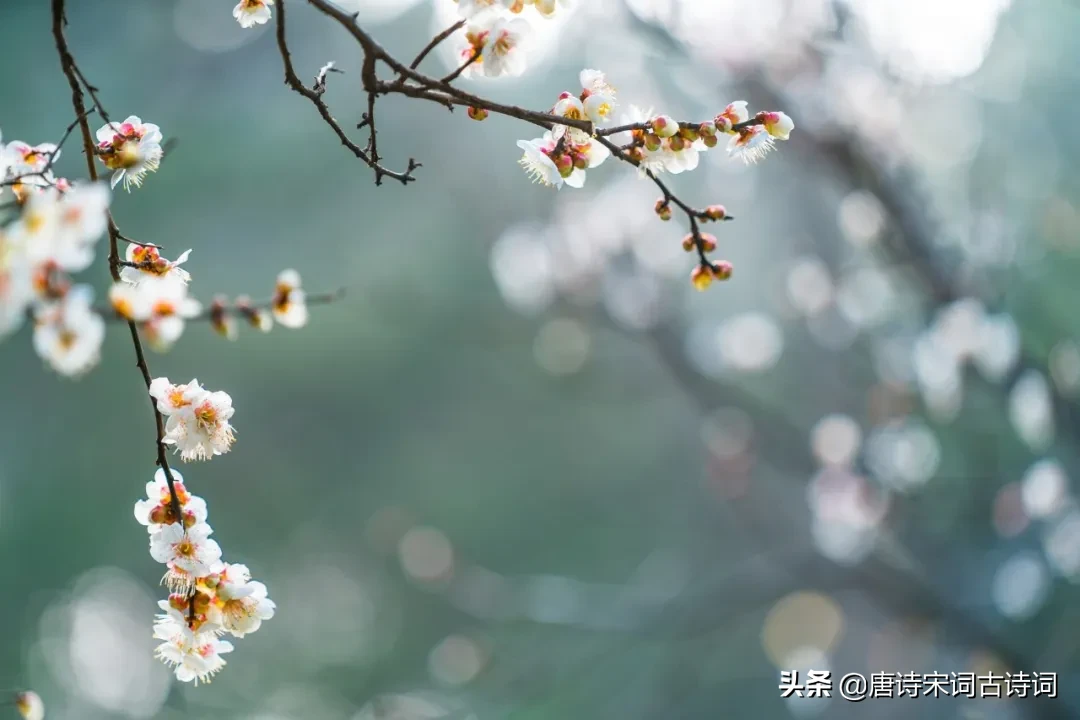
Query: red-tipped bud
[478, 113]
[663, 209]
[708, 242]
[715, 212]
[160, 515]
[664, 126]
[580, 161]
[723, 124]
[722, 270]
[565, 95]
[565, 165]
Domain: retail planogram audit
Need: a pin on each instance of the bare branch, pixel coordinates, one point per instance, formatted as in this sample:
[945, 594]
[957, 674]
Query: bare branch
[293, 81]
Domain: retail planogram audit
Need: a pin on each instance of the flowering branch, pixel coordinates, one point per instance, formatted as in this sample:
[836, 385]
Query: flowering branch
[76, 80]
[575, 140]
[49, 233]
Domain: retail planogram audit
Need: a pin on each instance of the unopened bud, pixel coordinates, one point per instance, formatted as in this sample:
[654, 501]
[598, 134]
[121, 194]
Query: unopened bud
[663, 209]
[160, 515]
[722, 123]
[565, 165]
[202, 603]
[477, 113]
[708, 242]
[664, 126]
[652, 143]
[189, 519]
[580, 161]
[715, 212]
[676, 143]
[722, 270]
[701, 277]
[710, 140]
[565, 95]
[707, 130]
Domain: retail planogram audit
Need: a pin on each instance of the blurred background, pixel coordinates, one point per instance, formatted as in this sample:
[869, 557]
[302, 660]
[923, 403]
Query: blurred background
[524, 470]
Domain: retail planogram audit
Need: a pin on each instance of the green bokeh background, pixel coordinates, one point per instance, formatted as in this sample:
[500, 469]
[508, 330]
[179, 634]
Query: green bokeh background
[419, 397]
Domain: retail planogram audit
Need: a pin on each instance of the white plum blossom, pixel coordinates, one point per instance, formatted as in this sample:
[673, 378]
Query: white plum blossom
[568, 166]
[778, 125]
[29, 705]
[130, 149]
[289, 306]
[68, 334]
[198, 420]
[188, 553]
[16, 287]
[151, 265]
[735, 113]
[239, 603]
[538, 163]
[62, 229]
[198, 663]
[171, 399]
[683, 159]
[174, 623]
[598, 97]
[161, 304]
[498, 41]
[156, 511]
[252, 12]
[751, 144]
[26, 159]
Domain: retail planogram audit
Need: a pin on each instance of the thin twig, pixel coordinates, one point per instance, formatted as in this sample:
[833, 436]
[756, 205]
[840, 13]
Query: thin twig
[293, 81]
[435, 42]
[76, 81]
[461, 68]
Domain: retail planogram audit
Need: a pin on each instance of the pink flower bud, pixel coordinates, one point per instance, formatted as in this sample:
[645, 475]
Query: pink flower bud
[663, 209]
[664, 126]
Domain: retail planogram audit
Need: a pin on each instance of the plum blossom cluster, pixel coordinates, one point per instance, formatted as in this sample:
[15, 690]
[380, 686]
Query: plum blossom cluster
[495, 41]
[50, 232]
[208, 598]
[197, 420]
[153, 292]
[655, 144]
